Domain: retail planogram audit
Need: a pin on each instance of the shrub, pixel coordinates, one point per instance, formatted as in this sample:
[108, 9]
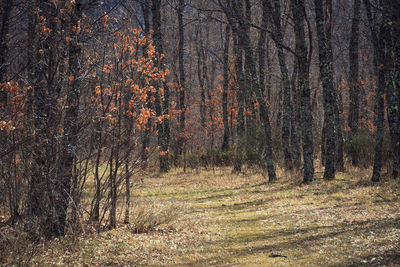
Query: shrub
[193, 160]
[362, 146]
[209, 157]
[227, 157]
[16, 246]
[254, 146]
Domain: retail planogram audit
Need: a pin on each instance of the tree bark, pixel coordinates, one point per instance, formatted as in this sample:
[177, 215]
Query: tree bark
[236, 12]
[392, 49]
[295, 138]
[225, 141]
[4, 30]
[326, 75]
[161, 101]
[354, 82]
[200, 75]
[274, 12]
[378, 32]
[298, 11]
[181, 66]
[237, 166]
[71, 125]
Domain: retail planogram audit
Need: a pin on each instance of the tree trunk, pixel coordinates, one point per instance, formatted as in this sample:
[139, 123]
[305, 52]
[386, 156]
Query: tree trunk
[237, 166]
[275, 16]
[338, 109]
[113, 190]
[298, 11]
[354, 82]
[71, 126]
[295, 138]
[392, 47]
[243, 34]
[200, 75]
[42, 196]
[4, 30]
[181, 66]
[377, 35]
[225, 141]
[326, 75]
[162, 101]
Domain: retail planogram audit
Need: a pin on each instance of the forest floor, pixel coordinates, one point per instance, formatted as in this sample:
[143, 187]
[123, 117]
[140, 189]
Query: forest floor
[215, 218]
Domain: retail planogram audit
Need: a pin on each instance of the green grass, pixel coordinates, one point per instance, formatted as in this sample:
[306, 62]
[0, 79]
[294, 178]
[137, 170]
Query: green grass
[228, 220]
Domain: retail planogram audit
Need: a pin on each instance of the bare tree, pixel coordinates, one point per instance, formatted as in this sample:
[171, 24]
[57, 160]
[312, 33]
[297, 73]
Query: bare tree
[326, 73]
[303, 62]
[353, 75]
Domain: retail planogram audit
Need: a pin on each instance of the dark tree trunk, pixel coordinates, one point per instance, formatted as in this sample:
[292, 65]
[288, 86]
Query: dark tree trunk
[392, 49]
[274, 13]
[211, 82]
[11, 182]
[71, 126]
[4, 30]
[298, 11]
[235, 11]
[240, 100]
[354, 107]
[250, 122]
[31, 59]
[200, 75]
[323, 144]
[95, 212]
[181, 66]
[326, 75]
[225, 141]
[339, 160]
[379, 30]
[127, 191]
[295, 138]
[261, 50]
[162, 101]
[113, 189]
[41, 194]
[380, 131]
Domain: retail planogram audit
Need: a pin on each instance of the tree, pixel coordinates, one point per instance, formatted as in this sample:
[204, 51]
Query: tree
[43, 195]
[71, 121]
[326, 74]
[379, 34]
[273, 11]
[392, 76]
[181, 66]
[303, 65]
[353, 118]
[234, 12]
[162, 94]
[4, 31]
[225, 141]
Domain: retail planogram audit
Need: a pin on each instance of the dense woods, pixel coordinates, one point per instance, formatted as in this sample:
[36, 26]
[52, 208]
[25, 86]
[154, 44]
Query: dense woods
[93, 94]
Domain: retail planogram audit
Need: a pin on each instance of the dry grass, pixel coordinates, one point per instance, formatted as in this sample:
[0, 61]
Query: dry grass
[218, 219]
[147, 216]
[16, 248]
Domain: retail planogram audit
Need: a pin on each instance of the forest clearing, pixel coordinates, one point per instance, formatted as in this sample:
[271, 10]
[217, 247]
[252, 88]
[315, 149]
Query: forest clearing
[214, 218]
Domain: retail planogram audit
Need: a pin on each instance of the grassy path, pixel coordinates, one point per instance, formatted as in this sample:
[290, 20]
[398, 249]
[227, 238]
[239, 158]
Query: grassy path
[227, 220]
